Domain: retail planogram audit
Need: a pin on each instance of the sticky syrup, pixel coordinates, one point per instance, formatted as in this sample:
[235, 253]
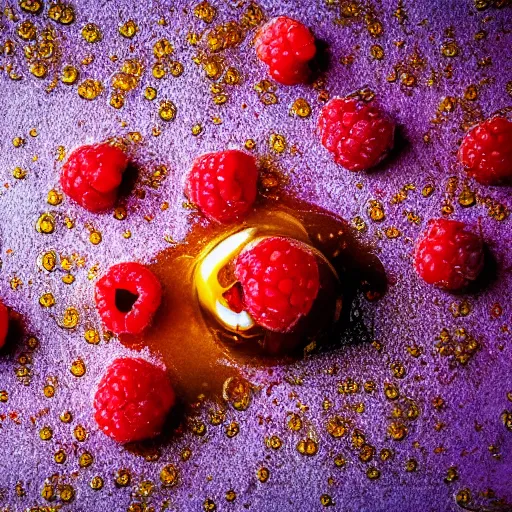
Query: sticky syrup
[201, 355]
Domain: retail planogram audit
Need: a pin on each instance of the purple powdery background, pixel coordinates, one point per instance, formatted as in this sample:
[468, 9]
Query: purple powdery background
[411, 313]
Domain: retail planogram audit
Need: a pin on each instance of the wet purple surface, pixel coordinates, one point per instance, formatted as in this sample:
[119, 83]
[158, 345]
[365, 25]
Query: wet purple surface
[474, 438]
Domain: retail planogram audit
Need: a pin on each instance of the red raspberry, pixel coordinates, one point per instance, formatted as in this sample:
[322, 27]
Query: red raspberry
[358, 134]
[223, 185]
[132, 400]
[4, 323]
[286, 46]
[127, 297]
[448, 256]
[486, 151]
[92, 175]
[280, 281]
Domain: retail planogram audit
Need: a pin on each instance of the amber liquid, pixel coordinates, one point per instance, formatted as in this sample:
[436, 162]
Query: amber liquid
[199, 354]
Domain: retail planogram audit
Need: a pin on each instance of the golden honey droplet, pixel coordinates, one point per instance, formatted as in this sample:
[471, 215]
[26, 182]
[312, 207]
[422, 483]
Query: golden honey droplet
[92, 336]
[307, 447]
[124, 82]
[95, 238]
[326, 500]
[91, 33]
[19, 173]
[69, 75]
[61, 13]
[129, 29]
[96, 483]
[392, 232]
[263, 474]
[85, 460]
[4, 396]
[70, 318]
[250, 144]
[274, 442]
[463, 497]
[150, 93]
[301, 108]
[31, 6]
[46, 433]
[39, 70]
[230, 495]
[66, 417]
[68, 279]
[47, 492]
[471, 93]
[237, 391]
[66, 493]
[205, 12]
[427, 190]
[45, 224]
[377, 52]
[158, 71]
[373, 473]
[447, 104]
[80, 433]
[167, 110]
[337, 427]
[17, 142]
[123, 478]
[277, 142]
[375, 28]
[232, 429]
[49, 391]
[449, 49]
[90, 89]
[60, 457]
[197, 129]
[397, 431]
[376, 211]
[232, 76]
[169, 475]
[27, 30]
[209, 505]
[162, 48]
[78, 368]
[47, 300]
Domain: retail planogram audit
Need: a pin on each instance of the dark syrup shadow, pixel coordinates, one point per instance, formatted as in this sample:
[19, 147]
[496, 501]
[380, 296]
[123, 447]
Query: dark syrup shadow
[321, 62]
[130, 177]
[15, 334]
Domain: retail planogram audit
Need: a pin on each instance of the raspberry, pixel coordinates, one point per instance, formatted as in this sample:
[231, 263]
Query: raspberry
[358, 134]
[286, 46]
[223, 185]
[92, 174]
[4, 323]
[280, 281]
[132, 400]
[127, 297]
[486, 152]
[448, 255]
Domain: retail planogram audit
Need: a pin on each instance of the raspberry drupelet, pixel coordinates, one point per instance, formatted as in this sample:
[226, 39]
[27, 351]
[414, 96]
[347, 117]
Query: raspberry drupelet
[4, 323]
[358, 134]
[92, 175]
[286, 46]
[223, 185]
[127, 297]
[448, 255]
[280, 281]
[132, 400]
[486, 152]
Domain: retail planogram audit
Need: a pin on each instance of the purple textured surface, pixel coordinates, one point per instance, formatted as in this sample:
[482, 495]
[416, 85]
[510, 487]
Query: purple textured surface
[474, 438]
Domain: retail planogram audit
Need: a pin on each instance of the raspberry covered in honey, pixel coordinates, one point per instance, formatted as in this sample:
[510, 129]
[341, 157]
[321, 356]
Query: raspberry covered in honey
[132, 400]
[127, 297]
[92, 174]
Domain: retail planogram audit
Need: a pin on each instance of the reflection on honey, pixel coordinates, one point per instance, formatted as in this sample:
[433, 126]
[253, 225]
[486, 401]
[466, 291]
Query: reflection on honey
[200, 354]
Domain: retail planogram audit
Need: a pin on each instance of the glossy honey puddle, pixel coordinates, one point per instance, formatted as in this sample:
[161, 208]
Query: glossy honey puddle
[199, 353]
